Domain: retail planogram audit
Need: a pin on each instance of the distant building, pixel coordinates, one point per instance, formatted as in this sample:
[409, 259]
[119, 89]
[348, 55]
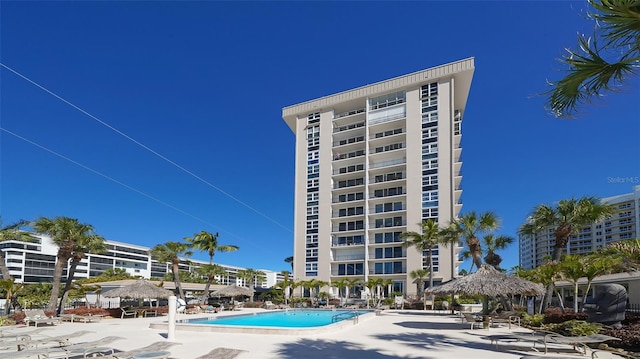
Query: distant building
[623, 224]
[374, 162]
[34, 262]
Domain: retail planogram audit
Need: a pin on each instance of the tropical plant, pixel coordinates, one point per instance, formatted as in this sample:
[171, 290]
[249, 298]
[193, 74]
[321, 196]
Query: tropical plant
[35, 295]
[595, 265]
[290, 261]
[252, 277]
[84, 244]
[418, 276]
[208, 242]
[566, 218]
[10, 289]
[571, 269]
[68, 234]
[373, 284]
[601, 63]
[12, 232]
[468, 227]
[170, 252]
[425, 242]
[627, 253]
[492, 244]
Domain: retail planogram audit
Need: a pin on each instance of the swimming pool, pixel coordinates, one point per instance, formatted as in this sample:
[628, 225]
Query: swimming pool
[290, 322]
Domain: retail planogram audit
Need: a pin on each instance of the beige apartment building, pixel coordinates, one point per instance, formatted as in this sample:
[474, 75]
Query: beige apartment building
[374, 162]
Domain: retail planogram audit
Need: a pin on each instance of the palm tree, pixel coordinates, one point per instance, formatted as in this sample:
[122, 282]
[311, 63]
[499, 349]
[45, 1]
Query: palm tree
[208, 242]
[340, 284]
[10, 288]
[251, 277]
[170, 252]
[12, 232]
[572, 269]
[627, 252]
[290, 261]
[418, 275]
[87, 244]
[425, 241]
[595, 265]
[372, 284]
[567, 217]
[469, 226]
[616, 37]
[68, 234]
[210, 271]
[492, 244]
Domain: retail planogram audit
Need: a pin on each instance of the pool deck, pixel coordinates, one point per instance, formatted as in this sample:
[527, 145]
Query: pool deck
[392, 334]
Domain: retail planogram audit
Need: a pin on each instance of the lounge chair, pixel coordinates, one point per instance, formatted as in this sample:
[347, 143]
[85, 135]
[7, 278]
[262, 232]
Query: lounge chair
[154, 347]
[510, 318]
[594, 355]
[473, 320]
[269, 305]
[579, 343]
[93, 347]
[61, 340]
[27, 354]
[226, 353]
[128, 312]
[80, 318]
[38, 316]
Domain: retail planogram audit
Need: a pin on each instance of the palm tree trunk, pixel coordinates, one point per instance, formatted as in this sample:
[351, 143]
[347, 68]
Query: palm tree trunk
[205, 293]
[65, 293]
[3, 268]
[61, 262]
[176, 279]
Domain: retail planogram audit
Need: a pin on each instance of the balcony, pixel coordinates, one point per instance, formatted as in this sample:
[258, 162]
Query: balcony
[348, 127]
[394, 162]
[351, 257]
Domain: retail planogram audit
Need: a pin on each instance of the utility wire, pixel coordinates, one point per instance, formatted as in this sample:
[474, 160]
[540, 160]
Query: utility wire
[145, 147]
[117, 181]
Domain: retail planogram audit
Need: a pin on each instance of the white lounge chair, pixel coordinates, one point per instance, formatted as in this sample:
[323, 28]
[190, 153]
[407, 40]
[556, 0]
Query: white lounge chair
[154, 347]
[38, 316]
[61, 340]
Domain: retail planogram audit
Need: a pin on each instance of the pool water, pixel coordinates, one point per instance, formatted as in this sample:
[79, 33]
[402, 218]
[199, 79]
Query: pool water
[297, 318]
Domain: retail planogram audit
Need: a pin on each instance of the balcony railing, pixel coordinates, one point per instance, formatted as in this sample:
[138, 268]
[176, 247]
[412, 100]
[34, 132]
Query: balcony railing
[348, 113]
[346, 243]
[348, 127]
[386, 118]
[389, 163]
[356, 257]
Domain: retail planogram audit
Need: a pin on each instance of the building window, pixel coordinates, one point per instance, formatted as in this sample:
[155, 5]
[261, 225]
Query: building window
[387, 100]
[311, 269]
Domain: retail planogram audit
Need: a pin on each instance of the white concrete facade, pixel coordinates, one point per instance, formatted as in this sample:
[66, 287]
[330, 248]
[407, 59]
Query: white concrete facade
[623, 224]
[32, 262]
[372, 163]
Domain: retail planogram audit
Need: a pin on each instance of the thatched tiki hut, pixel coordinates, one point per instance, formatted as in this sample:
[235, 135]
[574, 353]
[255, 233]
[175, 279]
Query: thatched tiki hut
[140, 290]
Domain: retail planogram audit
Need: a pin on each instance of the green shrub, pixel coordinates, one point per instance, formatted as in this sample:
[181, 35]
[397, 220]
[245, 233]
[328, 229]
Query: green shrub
[535, 320]
[5, 320]
[574, 328]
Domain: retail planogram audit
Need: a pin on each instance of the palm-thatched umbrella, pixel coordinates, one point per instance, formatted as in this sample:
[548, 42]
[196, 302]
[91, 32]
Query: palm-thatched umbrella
[233, 291]
[141, 289]
[489, 282]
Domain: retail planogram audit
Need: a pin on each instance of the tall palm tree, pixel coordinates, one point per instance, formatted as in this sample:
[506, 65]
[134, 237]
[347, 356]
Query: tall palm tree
[87, 244]
[418, 275]
[208, 242]
[567, 217]
[492, 244]
[341, 284]
[12, 232]
[425, 241]
[616, 37]
[251, 277]
[468, 227]
[290, 261]
[170, 252]
[68, 234]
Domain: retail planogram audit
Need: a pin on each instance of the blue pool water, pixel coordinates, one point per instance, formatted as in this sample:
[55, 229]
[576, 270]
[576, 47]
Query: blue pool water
[297, 318]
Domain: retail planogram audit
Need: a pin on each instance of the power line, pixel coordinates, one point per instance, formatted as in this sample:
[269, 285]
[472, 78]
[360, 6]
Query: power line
[119, 182]
[145, 147]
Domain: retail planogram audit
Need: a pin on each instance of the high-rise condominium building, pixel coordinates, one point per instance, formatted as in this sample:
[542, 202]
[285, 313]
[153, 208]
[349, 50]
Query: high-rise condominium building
[623, 224]
[372, 163]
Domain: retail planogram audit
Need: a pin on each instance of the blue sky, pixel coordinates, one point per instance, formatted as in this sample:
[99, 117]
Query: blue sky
[203, 85]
